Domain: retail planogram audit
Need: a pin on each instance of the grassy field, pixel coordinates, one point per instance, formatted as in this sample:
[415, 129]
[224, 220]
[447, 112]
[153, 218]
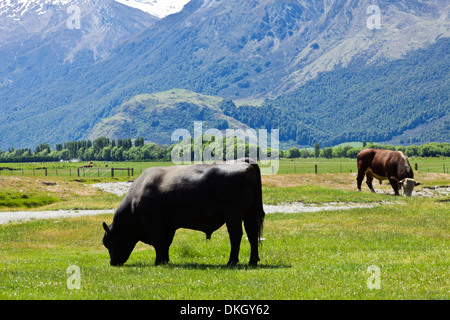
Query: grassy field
[102, 169]
[321, 255]
[304, 256]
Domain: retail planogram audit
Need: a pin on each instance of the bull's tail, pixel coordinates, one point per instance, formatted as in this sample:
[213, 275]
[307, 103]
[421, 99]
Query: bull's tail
[258, 204]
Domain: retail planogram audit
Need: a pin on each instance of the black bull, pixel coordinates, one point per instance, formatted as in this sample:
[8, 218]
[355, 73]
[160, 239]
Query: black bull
[200, 197]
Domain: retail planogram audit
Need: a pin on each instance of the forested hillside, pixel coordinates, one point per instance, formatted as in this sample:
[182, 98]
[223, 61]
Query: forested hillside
[157, 116]
[404, 99]
[353, 104]
[238, 49]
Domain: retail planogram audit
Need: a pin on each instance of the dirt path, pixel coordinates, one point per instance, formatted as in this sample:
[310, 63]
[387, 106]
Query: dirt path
[296, 207]
[121, 188]
[6, 217]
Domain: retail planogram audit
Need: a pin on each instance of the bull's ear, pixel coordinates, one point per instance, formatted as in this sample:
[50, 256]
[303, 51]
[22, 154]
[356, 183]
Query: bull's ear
[105, 226]
[416, 183]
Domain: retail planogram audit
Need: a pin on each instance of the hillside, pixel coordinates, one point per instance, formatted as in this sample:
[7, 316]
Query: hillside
[404, 101]
[157, 116]
[233, 49]
[42, 41]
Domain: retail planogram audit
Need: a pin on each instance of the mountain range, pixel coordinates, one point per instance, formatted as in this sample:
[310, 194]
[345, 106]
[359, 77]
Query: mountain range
[59, 84]
[158, 8]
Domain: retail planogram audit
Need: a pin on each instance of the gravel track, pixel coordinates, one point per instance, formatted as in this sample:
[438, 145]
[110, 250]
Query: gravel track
[296, 207]
[6, 217]
[121, 188]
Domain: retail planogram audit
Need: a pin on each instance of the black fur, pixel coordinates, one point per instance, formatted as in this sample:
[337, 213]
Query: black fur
[201, 197]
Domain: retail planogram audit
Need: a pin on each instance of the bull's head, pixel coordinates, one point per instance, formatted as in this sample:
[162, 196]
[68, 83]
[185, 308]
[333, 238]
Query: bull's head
[119, 244]
[408, 185]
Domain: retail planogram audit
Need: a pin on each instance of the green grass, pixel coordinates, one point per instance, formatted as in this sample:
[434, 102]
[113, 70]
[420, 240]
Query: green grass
[318, 194]
[298, 166]
[345, 165]
[322, 255]
[17, 199]
[51, 193]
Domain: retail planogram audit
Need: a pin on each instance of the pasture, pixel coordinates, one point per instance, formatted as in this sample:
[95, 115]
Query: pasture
[102, 169]
[308, 255]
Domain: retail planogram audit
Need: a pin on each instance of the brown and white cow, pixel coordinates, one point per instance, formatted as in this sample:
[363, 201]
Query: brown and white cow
[386, 165]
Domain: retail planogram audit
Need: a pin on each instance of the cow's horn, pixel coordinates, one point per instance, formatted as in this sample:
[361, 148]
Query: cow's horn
[105, 226]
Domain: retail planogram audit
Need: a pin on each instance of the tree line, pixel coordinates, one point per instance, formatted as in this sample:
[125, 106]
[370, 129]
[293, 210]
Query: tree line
[432, 149]
[101, 148]
[104, 149]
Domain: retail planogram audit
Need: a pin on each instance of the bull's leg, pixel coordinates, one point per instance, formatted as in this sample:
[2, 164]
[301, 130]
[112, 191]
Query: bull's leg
[369, 179]
[394, 185]
[251, 228]
[162, 245]
[235, 233]
[360, 177]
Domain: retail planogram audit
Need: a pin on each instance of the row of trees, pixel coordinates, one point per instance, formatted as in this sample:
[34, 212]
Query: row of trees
[432, 149]
[104, 149]
[100, 149]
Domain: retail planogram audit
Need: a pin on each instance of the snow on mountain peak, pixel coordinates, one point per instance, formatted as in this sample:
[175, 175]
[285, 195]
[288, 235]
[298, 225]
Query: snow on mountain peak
[17, 8]
[159, 8]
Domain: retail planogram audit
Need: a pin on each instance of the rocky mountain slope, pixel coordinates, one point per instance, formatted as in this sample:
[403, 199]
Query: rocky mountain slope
[403, 101]
[227, 48]
[42, 40]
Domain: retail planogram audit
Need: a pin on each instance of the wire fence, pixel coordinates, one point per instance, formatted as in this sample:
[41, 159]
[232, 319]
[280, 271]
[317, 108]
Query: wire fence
[282, 168]
[76, 172]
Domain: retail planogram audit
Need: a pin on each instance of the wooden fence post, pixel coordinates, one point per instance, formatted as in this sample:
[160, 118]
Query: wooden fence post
[315, 168]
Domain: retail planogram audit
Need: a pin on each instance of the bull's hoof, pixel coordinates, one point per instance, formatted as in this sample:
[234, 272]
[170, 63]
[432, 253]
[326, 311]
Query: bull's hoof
[253, 263]
[232, 263]
[161, 262]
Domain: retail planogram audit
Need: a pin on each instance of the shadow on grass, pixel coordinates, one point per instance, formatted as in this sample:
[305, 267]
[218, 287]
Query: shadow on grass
[205, 266]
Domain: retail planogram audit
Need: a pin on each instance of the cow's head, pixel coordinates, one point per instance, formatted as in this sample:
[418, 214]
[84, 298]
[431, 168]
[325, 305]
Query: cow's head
[408, 185]
[119, 245]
